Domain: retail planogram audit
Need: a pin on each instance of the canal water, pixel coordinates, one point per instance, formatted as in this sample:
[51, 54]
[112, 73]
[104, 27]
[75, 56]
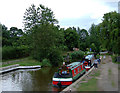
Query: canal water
[29, 80]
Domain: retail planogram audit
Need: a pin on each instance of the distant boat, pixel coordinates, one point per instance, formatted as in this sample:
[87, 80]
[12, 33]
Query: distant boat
[89, 61]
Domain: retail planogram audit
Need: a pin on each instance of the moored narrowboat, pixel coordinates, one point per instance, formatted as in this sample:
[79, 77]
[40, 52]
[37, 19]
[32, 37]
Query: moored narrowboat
[67, 74]
[88, 62]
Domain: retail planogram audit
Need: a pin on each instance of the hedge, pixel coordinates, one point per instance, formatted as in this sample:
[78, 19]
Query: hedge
[10, 52]
[77, 55]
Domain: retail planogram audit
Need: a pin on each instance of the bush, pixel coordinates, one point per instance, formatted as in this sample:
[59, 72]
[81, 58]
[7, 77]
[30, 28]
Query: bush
[114, 58]
[46, 63]
[9, 52]
[55, 57]
[103, 49]
[77, 55]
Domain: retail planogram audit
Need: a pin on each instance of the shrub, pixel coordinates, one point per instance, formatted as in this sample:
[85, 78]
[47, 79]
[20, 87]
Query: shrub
[77, 55]
[114, 58]
[9, 52]
[46, 63]
[55, 57]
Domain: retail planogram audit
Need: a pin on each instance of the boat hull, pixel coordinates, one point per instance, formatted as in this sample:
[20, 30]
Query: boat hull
[62, 82]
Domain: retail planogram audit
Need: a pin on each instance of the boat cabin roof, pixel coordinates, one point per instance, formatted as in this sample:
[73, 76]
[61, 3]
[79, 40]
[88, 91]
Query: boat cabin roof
[74, 65]
[89, 57]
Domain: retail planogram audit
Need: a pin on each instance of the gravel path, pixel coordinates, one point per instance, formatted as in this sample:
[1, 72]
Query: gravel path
[109, 75]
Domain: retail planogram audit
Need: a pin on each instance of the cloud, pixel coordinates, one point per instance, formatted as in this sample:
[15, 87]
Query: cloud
[84, 22]
[12, 11]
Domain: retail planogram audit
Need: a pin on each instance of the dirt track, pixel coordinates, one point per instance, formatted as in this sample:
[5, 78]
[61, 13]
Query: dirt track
[108, 79]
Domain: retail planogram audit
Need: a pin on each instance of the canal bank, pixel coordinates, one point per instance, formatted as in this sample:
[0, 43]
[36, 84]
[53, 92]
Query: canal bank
[16, 67]
[28, 61]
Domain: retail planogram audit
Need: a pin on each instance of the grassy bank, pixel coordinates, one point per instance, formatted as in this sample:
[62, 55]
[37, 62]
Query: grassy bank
[25, 62]
[114, 59]
[91, 84]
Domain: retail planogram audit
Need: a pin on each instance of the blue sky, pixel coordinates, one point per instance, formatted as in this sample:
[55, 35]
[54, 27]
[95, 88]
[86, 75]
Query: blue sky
[69, 13]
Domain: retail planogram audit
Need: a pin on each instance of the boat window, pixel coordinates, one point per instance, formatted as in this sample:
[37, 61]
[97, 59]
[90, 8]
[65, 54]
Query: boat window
[57, 75]
[64, 72]
[78, 69]
[74, 72]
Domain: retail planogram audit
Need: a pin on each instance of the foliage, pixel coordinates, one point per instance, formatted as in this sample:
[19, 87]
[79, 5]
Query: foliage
[83, 37]
[46, 63]
[71, 38]
[55, 57]
[110, 32]
[114, 58]
[35, 16]
[93, 40]
[77, 55]
[44, 41]
[93, 47]
[11, 37]
[9, 52]
[45, 38]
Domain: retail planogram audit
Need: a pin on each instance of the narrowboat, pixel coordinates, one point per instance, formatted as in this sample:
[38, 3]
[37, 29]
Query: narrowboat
[89, 61]
[67, 74]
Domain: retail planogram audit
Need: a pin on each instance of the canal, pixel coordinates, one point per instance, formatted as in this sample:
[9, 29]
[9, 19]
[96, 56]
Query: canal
[29, 80]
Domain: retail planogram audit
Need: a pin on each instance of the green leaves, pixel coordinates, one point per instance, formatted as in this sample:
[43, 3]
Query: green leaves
[36, 16]
[77, 55]
[71, 38]
[110, 31]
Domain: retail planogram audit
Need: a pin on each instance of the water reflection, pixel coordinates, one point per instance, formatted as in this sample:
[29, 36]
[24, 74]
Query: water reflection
[29, 80]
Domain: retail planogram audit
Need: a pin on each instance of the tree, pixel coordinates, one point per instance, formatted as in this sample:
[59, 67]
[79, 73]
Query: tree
[45, 44]
[94, 37]
[15, 35]
[15, 32]
[36, 16]
[110, 31]
[6, 40]
[83, 35]
[44, 36]
[71, 38]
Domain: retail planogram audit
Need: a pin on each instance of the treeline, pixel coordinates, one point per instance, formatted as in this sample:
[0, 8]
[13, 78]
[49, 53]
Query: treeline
[44, 40]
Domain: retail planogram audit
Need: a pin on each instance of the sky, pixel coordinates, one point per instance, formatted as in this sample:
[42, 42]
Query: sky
[69, 13]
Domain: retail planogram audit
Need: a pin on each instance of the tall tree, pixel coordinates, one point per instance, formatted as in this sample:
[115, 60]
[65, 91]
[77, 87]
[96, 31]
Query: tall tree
[6, 40]
[94, 37]
[15, 35]
[44, 35]
[110, 31]
[83, 35]
[71, 38]
[36, 16]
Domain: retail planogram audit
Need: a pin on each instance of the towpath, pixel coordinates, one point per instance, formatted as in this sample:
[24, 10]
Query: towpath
[109, 75]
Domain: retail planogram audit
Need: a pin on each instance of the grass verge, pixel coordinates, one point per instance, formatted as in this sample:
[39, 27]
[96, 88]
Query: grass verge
[26, 62]
[91, 85]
